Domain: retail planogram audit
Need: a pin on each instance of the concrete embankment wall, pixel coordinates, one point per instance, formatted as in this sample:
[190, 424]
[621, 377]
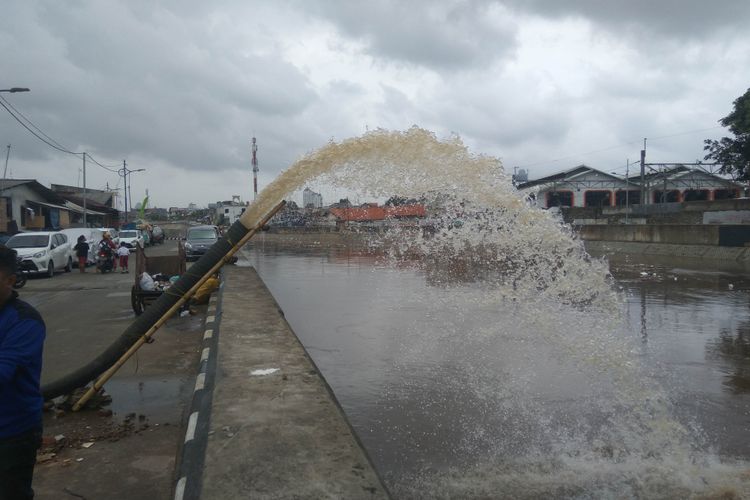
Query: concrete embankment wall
[276, 430]
[731, 256]
[671, 234]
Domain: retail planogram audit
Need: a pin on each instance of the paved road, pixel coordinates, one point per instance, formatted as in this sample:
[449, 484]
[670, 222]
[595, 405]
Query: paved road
[84, 313]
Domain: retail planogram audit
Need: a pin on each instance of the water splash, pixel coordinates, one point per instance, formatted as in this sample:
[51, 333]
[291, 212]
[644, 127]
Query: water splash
[494, 259]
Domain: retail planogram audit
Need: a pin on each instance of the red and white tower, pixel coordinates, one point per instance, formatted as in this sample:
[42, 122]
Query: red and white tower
[255, 169]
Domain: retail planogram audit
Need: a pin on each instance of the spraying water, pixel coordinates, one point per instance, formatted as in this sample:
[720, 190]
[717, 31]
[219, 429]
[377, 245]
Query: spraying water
[493, 259]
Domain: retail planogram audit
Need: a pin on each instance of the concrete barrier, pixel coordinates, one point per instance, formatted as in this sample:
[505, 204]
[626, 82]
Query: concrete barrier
[276, 430]
[678, 234]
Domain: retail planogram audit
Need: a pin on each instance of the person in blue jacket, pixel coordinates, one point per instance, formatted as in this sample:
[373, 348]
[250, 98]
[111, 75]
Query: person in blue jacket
[22, 334]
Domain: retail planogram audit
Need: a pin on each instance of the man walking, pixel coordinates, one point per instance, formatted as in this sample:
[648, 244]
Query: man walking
[22, 333]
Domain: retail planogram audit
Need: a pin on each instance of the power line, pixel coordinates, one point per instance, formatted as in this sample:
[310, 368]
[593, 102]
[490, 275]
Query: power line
[46, 138]
[31, 123]
[105, 167]
[50, 144]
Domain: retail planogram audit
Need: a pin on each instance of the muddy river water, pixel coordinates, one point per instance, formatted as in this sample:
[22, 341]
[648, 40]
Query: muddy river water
[449, 404]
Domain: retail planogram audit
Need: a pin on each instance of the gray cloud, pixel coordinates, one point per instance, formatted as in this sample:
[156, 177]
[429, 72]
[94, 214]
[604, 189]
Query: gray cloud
[180, 86]
[686, 19]
[450, 35]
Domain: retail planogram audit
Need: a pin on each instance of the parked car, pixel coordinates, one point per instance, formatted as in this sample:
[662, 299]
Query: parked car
[199, 240]
[131, 238]
[93, 236]
[4, 237]
[43, 252]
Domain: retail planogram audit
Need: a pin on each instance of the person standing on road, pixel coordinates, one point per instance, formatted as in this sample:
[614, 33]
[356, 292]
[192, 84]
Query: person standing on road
[123, 252]
[22, 333]
[82, 252]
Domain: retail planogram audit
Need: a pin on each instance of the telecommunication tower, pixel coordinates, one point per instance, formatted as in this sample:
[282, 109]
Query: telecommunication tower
[255, 169]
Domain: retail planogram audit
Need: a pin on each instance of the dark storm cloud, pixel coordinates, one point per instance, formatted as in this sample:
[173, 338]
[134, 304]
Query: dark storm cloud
[686, 19]
[449, 35]
[117, 81]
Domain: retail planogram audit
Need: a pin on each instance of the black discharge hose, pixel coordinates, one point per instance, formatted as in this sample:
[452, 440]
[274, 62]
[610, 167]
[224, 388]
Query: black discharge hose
[145, 321]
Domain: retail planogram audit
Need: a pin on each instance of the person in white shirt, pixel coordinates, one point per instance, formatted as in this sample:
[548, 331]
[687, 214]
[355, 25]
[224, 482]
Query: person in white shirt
[123, 252]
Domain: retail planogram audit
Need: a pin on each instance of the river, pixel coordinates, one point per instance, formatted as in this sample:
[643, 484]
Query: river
[451, 395]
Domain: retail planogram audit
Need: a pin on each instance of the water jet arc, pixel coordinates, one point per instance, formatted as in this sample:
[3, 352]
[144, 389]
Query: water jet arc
[143, 327]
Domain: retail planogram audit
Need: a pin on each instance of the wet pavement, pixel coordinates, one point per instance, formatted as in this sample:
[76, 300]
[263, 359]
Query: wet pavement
[138, 435]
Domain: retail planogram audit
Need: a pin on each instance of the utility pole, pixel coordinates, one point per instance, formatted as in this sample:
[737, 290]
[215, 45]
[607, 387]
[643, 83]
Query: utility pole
[627, 189]
[643, 173]
[85, 224]
[255, 168]
[125, 188]
[7, 155]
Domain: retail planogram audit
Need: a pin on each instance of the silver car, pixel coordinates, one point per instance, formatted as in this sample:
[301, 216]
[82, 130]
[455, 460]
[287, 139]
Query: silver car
[199, 240]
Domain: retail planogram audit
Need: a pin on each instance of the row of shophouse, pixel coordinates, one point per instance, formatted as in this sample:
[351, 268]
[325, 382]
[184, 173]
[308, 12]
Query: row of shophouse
[583, 186]
[29, 205]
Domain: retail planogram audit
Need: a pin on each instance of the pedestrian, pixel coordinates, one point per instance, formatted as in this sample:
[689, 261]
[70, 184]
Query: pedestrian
[113, 246]
[124, 253]
[82, 252]
[22, 333]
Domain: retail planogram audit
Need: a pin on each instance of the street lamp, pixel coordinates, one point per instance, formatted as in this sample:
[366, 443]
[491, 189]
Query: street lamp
[13, 90]
[124, 172]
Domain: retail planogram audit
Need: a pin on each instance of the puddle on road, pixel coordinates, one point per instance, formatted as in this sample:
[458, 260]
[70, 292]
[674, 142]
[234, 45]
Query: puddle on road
[161, 399]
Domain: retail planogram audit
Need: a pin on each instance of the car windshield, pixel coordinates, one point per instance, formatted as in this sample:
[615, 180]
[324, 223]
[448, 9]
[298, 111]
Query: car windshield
[128, 234]
[28, 241]
[201, 234]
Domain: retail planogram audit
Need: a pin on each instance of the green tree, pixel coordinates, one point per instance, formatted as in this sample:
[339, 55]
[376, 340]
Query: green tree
[733, 154]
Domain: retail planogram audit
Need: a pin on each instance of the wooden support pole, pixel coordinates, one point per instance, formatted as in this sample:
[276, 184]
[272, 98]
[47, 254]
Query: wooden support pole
[104, 377]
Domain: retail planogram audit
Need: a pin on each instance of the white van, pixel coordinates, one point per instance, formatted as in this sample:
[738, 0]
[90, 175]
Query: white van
[92, 238]
[43, 252]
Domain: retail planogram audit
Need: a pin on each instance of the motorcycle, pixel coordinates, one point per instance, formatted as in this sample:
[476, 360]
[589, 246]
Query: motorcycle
[105, 260]
[20, 276]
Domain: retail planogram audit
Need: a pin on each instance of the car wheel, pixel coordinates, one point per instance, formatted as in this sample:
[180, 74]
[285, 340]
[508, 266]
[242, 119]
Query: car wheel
[50, 269]
[69, 265]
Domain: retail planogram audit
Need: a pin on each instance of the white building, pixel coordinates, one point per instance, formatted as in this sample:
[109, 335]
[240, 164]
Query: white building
[231, 211]
[311, 199]
[583, 186]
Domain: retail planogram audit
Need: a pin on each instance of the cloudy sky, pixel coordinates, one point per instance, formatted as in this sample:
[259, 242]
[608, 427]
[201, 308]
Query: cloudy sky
[179, 87]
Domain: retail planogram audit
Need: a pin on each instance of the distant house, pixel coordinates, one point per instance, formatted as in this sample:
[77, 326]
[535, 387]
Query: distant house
[230, 211]
[101, 205]
[584, 186]
[681, 183]
[31, 206]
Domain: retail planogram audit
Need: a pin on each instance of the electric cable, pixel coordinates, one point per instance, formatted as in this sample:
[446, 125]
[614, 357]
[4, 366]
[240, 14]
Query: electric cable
[8, 103]
[50, 144]
[46, 138]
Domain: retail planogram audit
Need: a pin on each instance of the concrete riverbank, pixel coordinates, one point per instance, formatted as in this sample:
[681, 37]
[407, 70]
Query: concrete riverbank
[276, 430]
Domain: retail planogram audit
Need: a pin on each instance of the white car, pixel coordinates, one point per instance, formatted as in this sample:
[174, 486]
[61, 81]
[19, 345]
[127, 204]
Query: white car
[131, 238]
[43, 252]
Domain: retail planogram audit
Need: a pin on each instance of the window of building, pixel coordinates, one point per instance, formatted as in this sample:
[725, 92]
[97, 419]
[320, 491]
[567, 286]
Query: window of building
[597, 198]
[633, 197]
[695, 195]
[670, 196]
[559, 199]
[725, 194]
